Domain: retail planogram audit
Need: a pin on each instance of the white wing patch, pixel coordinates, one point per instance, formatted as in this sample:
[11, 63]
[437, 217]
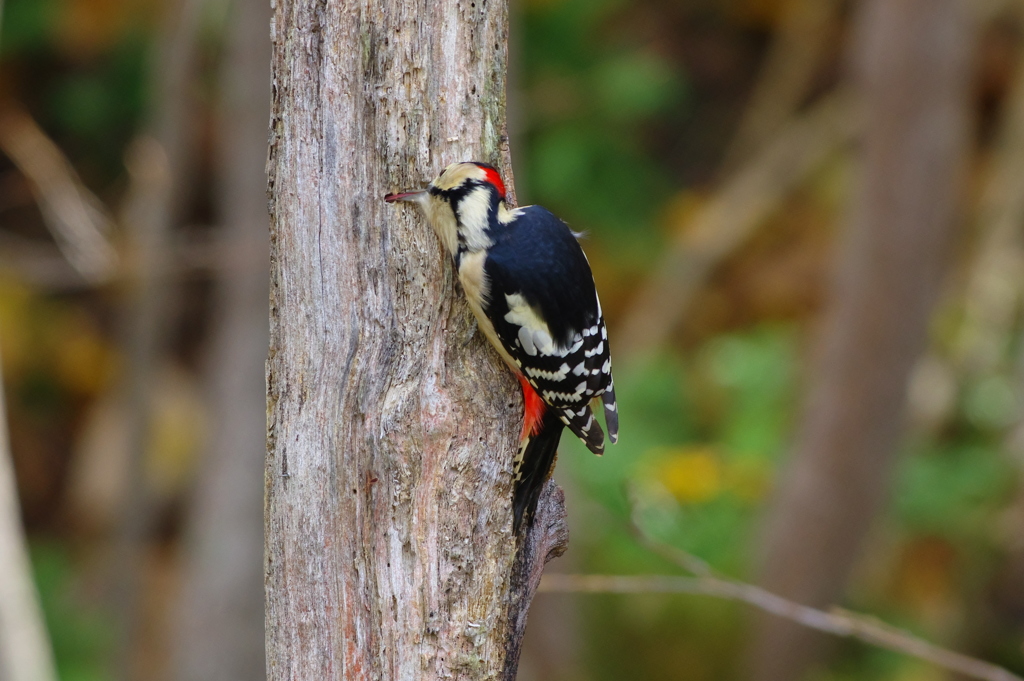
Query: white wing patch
[534, 334]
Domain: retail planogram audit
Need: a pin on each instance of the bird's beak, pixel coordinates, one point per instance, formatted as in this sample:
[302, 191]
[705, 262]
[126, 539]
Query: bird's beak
[405, 196]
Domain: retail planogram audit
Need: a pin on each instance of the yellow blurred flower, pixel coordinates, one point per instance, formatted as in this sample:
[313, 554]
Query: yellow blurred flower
[692, 474]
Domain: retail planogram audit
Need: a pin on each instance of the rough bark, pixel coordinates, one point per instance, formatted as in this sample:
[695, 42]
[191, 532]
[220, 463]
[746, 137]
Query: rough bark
[391, 422]
[221, 635]
[912, 59]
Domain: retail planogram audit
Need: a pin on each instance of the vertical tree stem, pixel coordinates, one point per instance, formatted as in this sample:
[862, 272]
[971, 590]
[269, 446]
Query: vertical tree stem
[912, 60]
[25, 652]
[221, 632]
[389, 549]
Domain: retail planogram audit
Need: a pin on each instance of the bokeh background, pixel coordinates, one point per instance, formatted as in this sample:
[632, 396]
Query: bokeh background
[805, 220]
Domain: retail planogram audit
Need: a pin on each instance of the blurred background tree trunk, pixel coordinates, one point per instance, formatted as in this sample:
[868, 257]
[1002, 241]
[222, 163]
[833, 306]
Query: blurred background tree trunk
[221, 633]
[389, 549]
[912, 63]
[25, 650]
[159, 162]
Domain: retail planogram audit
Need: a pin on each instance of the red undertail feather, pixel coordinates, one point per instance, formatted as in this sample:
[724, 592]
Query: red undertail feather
[533, 408]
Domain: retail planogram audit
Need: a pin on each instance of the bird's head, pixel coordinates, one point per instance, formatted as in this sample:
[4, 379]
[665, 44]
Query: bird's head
[461, 204]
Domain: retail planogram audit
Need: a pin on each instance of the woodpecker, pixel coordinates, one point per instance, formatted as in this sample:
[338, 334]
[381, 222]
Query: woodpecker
[530, 287]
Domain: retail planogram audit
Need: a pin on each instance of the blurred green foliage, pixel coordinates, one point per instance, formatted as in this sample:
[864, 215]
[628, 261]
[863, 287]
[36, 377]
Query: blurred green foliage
[953, 490]
[702, 440]
[81, 633]
[590, 97]
[28, 26]
[83, 80]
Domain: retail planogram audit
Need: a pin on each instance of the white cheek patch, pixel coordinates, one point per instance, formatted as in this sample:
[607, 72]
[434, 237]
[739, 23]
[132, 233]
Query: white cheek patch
[473, 210]
[534, 334]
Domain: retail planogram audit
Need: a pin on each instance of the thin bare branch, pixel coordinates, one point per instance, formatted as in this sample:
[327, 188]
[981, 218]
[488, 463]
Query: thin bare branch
[836, 622]
[77, 219]
[730, 217]
[707, 581]
[672, 554]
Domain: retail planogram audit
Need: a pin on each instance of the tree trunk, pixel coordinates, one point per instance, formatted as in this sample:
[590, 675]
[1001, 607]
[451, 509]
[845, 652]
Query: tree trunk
[912, 60]
[392, 423]
[221, 635]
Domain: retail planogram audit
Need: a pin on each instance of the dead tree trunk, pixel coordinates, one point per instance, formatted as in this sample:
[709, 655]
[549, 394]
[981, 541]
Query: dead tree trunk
[221, 633]
[912, 60]
[391, 423]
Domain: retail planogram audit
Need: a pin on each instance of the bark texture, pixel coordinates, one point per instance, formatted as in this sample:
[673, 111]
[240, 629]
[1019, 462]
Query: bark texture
[391, 422]
[912, 61]
[221, 633]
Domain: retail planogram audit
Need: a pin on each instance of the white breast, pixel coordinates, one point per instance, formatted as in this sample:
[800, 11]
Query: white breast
[474, 282]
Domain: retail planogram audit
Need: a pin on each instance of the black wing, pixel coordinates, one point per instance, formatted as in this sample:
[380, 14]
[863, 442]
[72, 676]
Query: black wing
[536, 260]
